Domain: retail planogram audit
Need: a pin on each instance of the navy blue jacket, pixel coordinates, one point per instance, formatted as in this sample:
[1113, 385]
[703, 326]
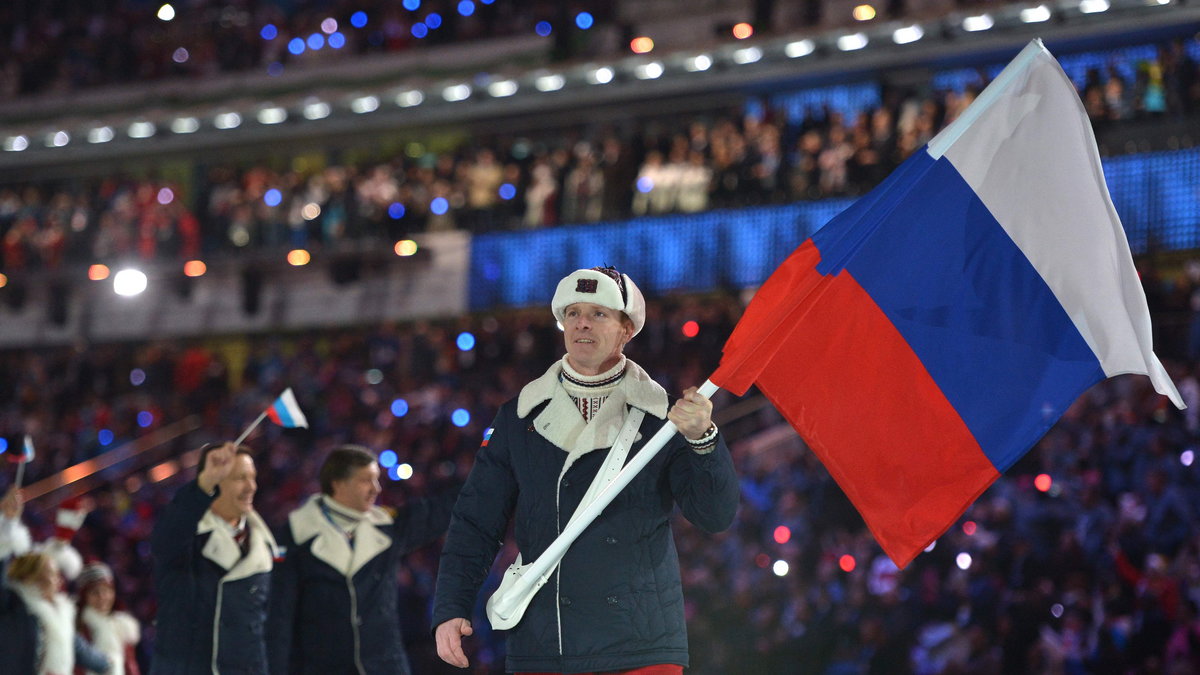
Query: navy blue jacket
[335, 604]
[616, 601]
[212, 601]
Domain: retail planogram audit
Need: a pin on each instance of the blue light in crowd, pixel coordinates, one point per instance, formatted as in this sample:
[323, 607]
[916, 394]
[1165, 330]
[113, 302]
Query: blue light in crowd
[296, 46]
[387, 459]
[645, 184]
[412, 5]
[460, 418]
[105, 437]
[269, 32]
[584, 20]
[508, 191]
[273, 197]
[394, 473]
[466, 341]
[439, 205]
[466, 7]
[3, 445]
[487, 2]
[337, 40]
[542, 28]
[420, 30]
[316, 41]
[145, 419]
[137, 376]
[275, 69]
[434, 20]
[359, 19]
[396, 210]
[399, 407]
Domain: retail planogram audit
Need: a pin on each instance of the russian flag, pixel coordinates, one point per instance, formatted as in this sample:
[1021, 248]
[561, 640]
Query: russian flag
[26, 454]
[928, 336]
[286, 412]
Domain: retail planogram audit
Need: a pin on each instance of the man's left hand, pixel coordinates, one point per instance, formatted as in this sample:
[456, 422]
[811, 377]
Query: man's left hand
[692, 414]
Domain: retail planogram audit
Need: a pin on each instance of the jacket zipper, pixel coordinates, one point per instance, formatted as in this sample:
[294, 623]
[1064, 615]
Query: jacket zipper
[217, 625]
[354, 625]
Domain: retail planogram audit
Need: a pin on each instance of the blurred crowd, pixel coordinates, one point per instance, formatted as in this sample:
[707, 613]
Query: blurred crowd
[1093, 568]
[65, 45]
[724, 159]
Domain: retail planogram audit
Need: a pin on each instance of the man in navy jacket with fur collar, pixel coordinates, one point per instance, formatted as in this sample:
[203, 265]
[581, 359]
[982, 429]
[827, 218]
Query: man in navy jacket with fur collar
[615, 602]
[335, 596]
[212, 568]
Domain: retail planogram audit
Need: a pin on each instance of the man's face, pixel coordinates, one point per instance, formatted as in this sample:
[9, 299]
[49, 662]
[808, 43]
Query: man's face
[595, 336]
[359, 490]
[238, 488]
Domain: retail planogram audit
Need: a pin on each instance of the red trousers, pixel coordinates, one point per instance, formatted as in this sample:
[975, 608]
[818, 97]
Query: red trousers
[661, 669]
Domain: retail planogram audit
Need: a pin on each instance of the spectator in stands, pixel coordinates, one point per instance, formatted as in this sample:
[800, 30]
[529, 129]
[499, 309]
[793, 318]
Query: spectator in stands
[112, 632]
[617, 599]
[212, 568]
[334, 595]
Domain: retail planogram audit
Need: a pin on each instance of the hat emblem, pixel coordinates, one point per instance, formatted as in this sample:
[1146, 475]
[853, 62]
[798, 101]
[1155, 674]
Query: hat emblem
[586, 286]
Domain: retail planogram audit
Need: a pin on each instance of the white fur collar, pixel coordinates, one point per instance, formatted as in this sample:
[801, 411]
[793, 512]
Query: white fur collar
[560, 421]
[56, 617]
[223, 550]
[110, 633]
[331, 546]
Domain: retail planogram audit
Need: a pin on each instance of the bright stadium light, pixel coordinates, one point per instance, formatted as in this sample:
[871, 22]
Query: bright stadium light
[747, 55]
[549, 82]
[58, 139]
[852, 42]
[1035, 14]
[272, 115]
[908, 34]
[102, 134]
[364, 104]
[698, 63]
[602, 75]
[502, 88]
[649, 71]
[1093, 6]
[316, 110]
[979, 22]
[410, 98]
[795, 50]
[16, 143]
[129, 282]
[457, 92]
[141, 129]
[185, 125]
[227, 120]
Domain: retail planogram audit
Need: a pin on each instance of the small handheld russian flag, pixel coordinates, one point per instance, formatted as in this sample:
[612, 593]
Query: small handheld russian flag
[284, 411]
[26, 454]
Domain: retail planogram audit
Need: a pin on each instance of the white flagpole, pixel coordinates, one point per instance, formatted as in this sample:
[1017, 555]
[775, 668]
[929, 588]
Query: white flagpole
[250, 428]
[510, 607]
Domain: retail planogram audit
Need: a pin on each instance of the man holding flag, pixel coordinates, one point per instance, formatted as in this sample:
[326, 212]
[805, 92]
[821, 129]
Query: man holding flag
[213, 557]
[615, 601]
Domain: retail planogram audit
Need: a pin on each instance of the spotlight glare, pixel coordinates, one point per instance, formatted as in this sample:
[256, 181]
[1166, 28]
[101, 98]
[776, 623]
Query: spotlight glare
[1035, 14]
[364, 104]
[649, 71]
[166, 12]
[780, 568]
[185, 125]
[405, 248]
[194, 268]
[549, 83]
[141, 130]
[129, 282]
[98, 272]
[795, 50]
[100, 134]
[852, 42]
[1093, 6]
[698, 63]
[742, 30]
[58, 139]
[317, 110]
[502, 88]
[979, 22]
[602, 75]
[457, 92]
[908, 34]
[747, 55]
[227, 120]
[272, 115]
[863, 13]
[410, 98]
[17, 143]
[641, 45]
[298, 257]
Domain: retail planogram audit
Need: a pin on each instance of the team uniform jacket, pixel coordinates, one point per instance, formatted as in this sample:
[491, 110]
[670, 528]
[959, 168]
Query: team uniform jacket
[616, 600]
[334, 602]
[212, 601]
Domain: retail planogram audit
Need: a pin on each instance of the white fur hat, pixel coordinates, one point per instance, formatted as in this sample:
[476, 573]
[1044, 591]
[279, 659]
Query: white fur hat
[602, 286]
